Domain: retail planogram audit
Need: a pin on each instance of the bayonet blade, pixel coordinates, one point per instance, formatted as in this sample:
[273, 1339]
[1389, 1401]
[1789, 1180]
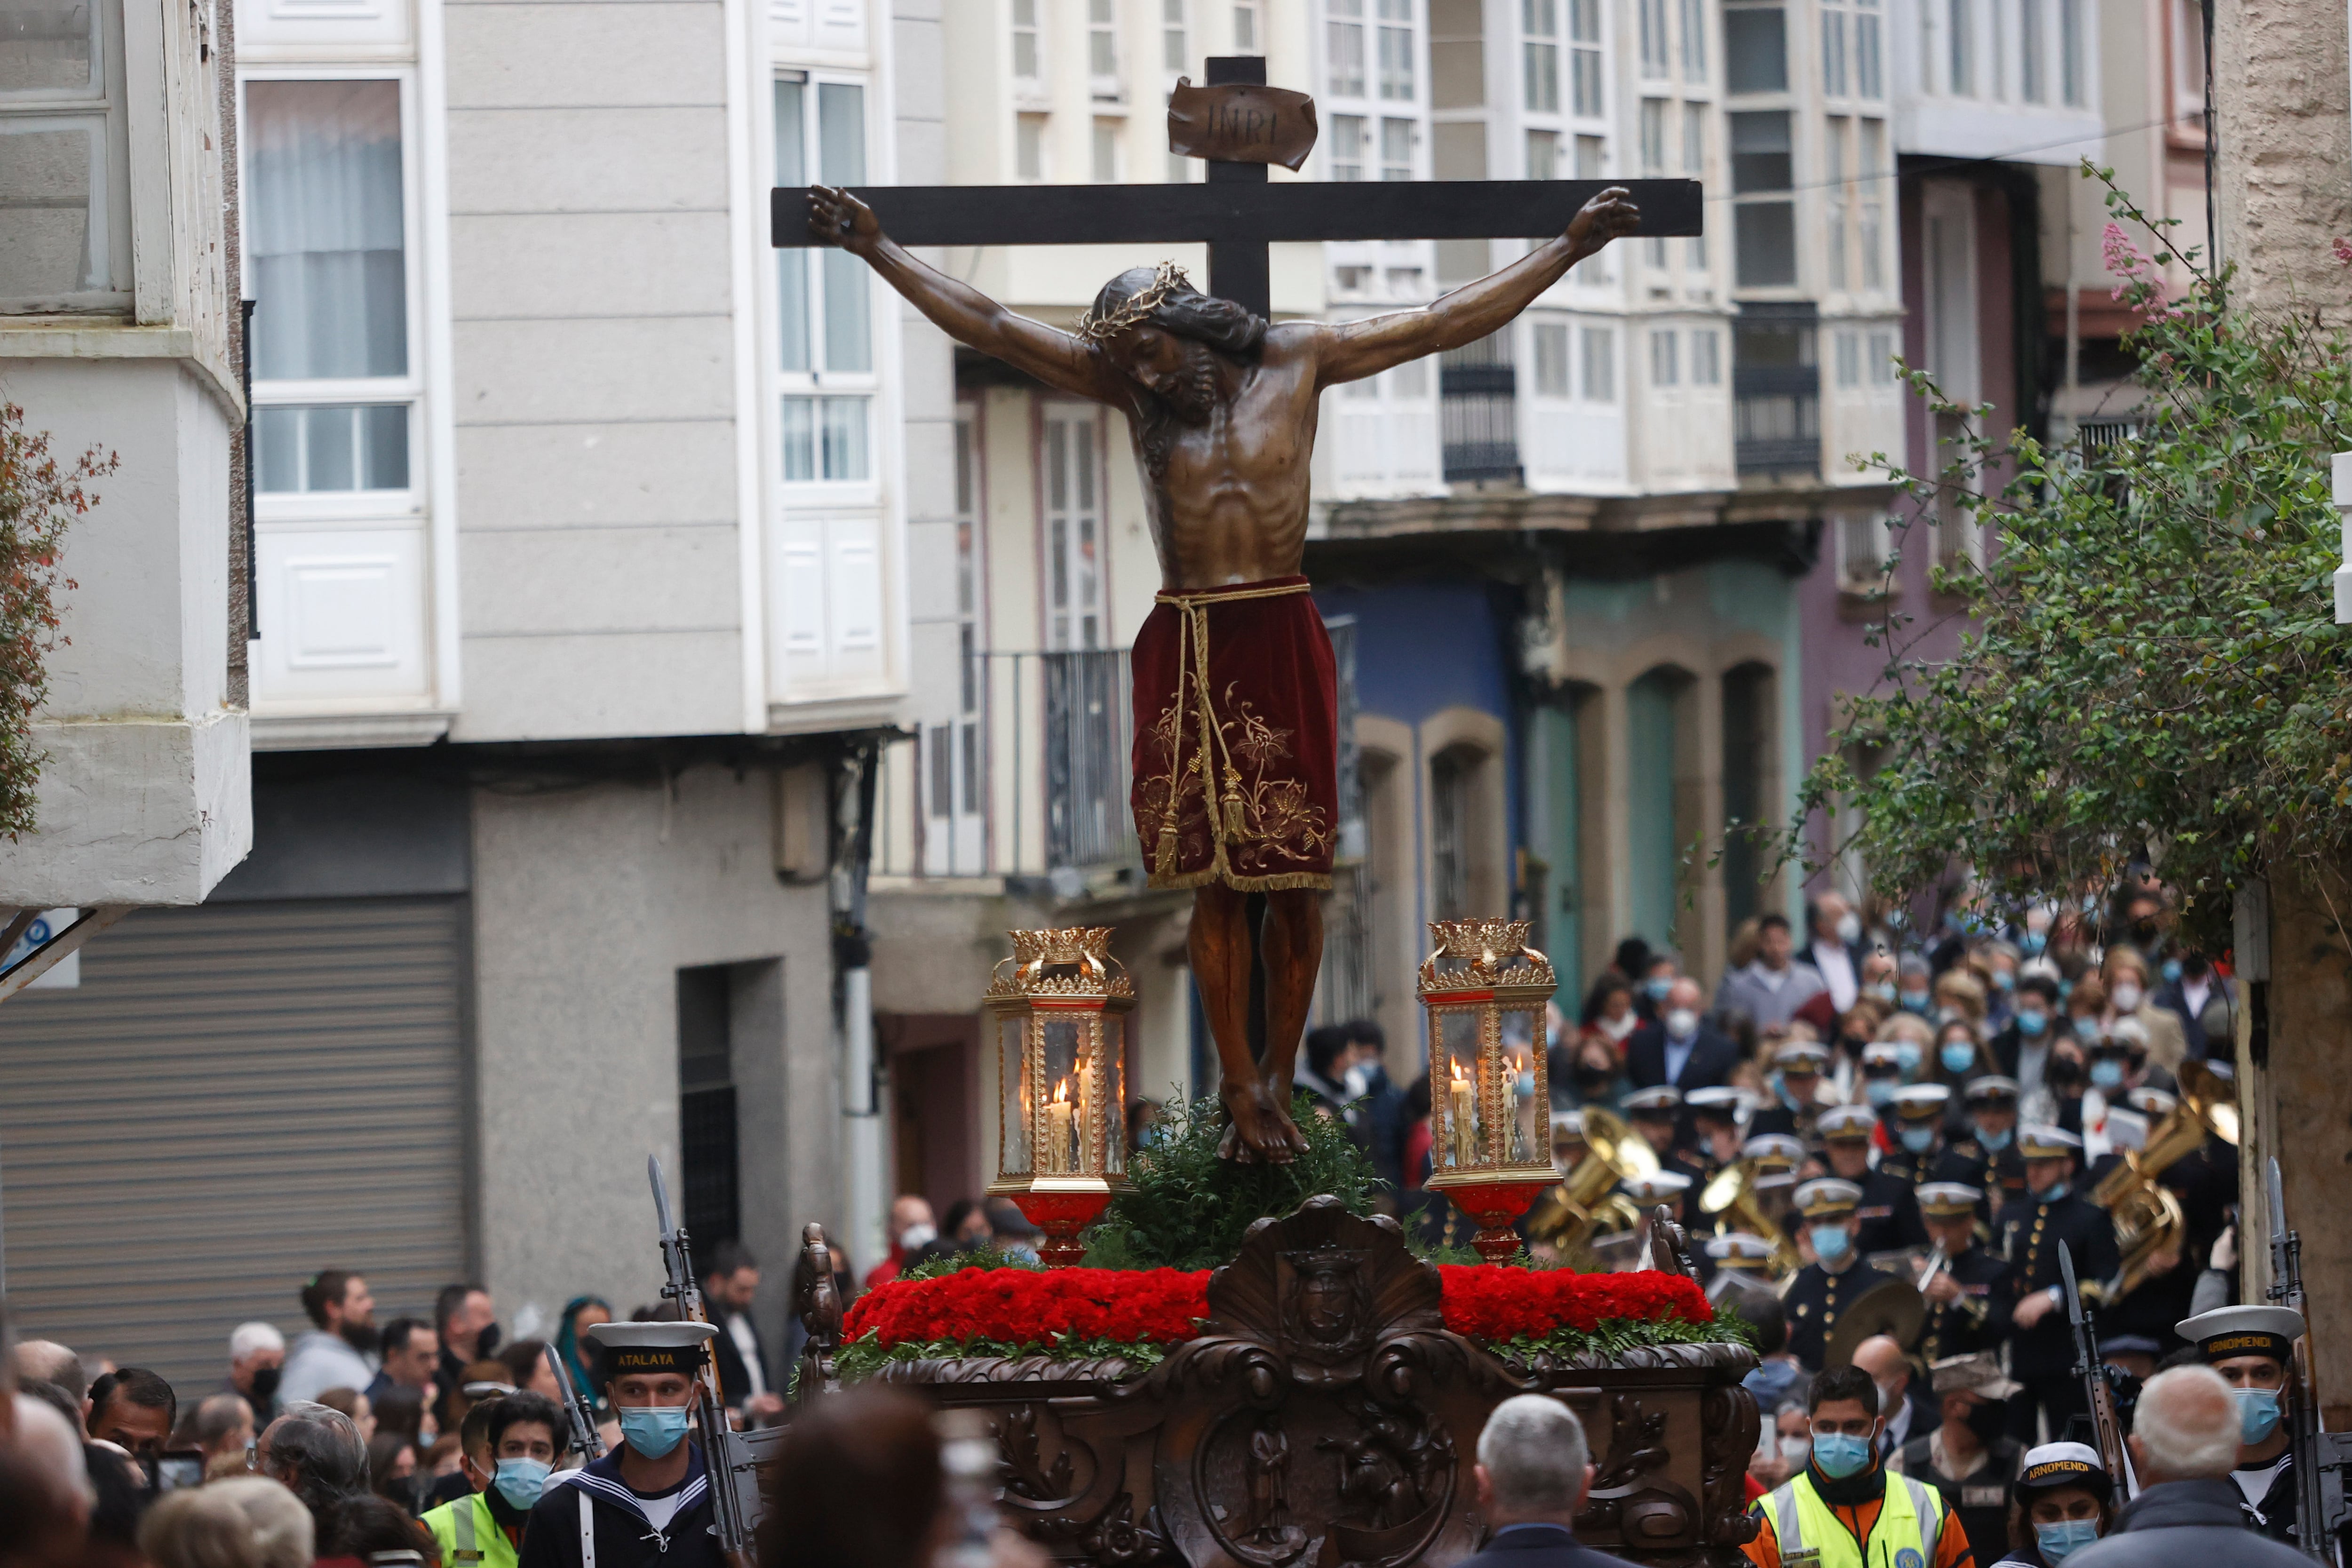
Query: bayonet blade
[2073, 1296]
[661, 1196]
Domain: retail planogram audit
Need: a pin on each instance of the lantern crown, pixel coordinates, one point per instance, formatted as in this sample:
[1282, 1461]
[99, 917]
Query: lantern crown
[1066, 961]
[1484, 953]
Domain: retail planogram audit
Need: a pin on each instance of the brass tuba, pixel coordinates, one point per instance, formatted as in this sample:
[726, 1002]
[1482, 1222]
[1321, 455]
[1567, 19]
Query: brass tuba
[1732, 1203]
[1586, 1204]
[2146, 1215]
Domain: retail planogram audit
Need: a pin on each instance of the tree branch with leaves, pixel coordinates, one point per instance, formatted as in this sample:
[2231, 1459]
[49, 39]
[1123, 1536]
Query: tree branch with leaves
[39, 498]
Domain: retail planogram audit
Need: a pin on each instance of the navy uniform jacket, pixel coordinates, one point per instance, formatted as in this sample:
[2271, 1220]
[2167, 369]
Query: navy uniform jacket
[625, 1539]
[2001, 1178]
[1889, 1211]
[1978, 1321]
[1811, 1302]
[2028, 1234]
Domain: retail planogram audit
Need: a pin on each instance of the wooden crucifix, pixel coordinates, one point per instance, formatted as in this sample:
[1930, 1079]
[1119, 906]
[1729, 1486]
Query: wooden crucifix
[1236, 753]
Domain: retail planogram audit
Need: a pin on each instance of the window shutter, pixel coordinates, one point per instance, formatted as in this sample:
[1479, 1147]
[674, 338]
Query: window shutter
[840, 24]
[801, 590]
[853, 597]
[788, 20]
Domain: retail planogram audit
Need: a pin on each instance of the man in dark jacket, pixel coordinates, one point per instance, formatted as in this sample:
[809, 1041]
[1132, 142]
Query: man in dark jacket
[647, 1503]
[1533, 1471]
[1679, 1050]
[2189, 1514]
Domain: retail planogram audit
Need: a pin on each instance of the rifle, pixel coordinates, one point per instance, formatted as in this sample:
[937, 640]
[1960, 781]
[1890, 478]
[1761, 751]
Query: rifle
[734, 1458]
[2106, 1427]
[576, 1410]
[2319, 1457]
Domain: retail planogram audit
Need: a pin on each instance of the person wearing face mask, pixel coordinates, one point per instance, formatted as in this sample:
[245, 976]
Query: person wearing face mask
[1915, 1117]
[2041, 1348]
[913, 1226]
[2125, 972]
[1968, 1299]
[1985, 1156]
[2252, 1348]
[1913, 992]
[1795, 1087]
[1836, 1277]
[1679, 1050]
[520, 1438]
[1958, 1057]
[647, 1503]
[1969, 1457]
[1890, 1220]
[257, 1360]
[2064, 1501]
[2022, 1048]
[2191, 992]
[1845, 1509]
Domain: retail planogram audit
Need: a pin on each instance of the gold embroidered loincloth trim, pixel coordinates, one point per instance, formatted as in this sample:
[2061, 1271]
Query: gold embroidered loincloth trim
[1227, 813]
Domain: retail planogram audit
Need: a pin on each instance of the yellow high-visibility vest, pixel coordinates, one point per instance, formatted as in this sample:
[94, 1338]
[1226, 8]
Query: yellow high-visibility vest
[468, 1537]
[1910, 1520]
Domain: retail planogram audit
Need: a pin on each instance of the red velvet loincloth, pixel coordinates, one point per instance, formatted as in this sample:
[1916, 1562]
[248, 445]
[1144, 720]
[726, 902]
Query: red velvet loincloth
[1269, 725]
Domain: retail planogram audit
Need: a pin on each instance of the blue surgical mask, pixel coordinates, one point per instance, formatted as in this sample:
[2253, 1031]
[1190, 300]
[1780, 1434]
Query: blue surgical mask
[653, 1430]
[1916, 1002]
[2172, 971]
[1656, 987]
[1957, 1056]
[2061, 1541]
[1994, 1142]
[1880, 1091]
[2107, 1073]
[1918, 1140]
[2086, 1028]
[520, 1481]
[1907, 1057]
[1883, 990]
[1838, 1454]
[1831, 1243]
[2258, 1413]
[2033, 941]
[2004, 980]
[2032, 1020]
[2051, 1193]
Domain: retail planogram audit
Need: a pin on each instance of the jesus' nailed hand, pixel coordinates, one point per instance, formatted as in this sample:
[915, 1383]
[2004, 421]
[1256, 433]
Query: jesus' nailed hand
[1236, 784]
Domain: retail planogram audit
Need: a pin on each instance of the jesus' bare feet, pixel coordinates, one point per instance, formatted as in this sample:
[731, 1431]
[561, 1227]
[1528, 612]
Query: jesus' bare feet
[1260, 1126]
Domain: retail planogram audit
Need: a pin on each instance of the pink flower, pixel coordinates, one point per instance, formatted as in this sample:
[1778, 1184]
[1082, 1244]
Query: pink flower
[2343, 248]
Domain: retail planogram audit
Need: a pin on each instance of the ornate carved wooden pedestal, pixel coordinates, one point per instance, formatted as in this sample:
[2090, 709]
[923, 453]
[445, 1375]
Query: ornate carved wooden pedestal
[1327, 1417]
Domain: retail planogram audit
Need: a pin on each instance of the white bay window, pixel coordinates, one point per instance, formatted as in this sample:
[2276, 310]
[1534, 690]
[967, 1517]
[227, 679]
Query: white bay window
[825, 302]
[65, 229]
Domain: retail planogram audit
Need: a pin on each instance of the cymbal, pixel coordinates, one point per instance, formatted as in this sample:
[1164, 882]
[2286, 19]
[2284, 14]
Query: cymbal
[1894, 1308]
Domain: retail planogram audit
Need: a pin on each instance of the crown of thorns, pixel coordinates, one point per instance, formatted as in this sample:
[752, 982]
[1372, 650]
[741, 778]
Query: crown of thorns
[1096, 328]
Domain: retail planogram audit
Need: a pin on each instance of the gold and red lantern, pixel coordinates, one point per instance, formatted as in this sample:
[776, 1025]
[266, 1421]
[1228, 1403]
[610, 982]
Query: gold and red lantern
[1485, 991]
[1058, 1010]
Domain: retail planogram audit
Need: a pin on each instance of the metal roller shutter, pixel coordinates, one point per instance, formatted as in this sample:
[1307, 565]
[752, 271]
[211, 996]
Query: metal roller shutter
[237, 1097]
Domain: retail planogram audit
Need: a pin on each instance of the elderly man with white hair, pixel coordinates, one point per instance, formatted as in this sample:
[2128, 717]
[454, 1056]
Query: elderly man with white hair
[1533, 1471]
[256, 1358]
[2189, 1513]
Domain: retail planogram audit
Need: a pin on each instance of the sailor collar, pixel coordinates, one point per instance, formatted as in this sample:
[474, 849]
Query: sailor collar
[600, 1479]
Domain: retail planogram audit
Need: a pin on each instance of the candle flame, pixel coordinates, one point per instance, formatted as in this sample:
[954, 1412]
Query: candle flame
[1062, 1091]
[1457, 1072]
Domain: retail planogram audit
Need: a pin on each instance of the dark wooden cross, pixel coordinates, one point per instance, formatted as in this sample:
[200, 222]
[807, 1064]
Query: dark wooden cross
[1238, 213]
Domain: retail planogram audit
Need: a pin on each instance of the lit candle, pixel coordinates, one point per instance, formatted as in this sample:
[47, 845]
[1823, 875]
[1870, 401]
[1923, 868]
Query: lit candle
[1057, 1132]
[1466, 1130]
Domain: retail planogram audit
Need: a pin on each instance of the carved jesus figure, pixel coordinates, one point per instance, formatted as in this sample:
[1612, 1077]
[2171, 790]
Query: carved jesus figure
[1235, 759]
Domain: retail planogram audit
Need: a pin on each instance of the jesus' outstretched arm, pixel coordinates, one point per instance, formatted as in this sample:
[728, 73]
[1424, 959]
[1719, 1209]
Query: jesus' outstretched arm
[1358, 349]
[961, 311]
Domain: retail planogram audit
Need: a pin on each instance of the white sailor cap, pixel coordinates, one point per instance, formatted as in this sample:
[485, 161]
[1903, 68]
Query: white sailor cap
[1736, 1247]
[1663, 1100]
[1882, 1053]
[2038, 1140]
[2152, 1103]
[1722, 1100]
[1773, 1149]
[1658, 1187]
[1567, 1127]
[2228, 1332]
[1828, 1199]
[2064, 1464]
[1800, 1056]
[652, 1347]
[1992, 1085]
[1921, 1101]
[1847, 1123]
[1949, 1200]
